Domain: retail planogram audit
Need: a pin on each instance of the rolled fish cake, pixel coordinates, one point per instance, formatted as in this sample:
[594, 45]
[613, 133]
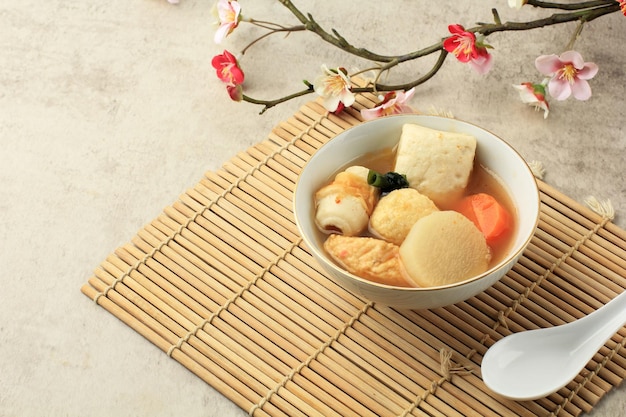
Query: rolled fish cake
[397, 212]
[444, 248]
[436, 163]
[344, 206]
[369, 258]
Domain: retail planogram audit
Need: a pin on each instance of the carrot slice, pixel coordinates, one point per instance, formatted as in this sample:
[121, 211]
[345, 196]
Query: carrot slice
[488, 215]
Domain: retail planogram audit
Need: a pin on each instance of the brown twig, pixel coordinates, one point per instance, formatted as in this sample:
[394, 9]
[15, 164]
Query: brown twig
[583, 12]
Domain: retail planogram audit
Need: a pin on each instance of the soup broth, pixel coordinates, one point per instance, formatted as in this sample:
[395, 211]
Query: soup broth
[481, 181]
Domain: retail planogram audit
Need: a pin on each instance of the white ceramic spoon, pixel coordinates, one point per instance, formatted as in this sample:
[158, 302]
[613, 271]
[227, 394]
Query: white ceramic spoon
[535, 363]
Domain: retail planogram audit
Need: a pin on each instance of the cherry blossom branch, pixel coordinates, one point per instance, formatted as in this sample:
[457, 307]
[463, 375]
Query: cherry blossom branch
[375, 87]
[273, 29]
[583, 12]
[339, 41]
[267, 104]
[586, 15]
[566, 6]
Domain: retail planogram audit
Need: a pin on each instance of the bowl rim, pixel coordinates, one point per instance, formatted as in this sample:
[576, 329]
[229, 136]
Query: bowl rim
[321, 257]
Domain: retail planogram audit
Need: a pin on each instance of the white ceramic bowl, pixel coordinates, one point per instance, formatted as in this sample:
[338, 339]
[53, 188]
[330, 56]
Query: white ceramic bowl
[382, 133]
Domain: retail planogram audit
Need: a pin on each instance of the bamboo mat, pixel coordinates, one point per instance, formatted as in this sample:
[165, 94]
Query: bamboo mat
[223, 284]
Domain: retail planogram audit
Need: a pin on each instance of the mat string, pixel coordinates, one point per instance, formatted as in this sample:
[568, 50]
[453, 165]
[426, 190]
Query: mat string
[252, 282]
[200, 212]
[503, 315]
[537, 169]
[433, 111]
[234, 298]
[310, 359]
[448, 368]
[604, 208]
[144, 259]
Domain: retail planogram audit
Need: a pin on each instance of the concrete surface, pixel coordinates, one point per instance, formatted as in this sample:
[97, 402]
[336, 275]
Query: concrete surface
[109, 110]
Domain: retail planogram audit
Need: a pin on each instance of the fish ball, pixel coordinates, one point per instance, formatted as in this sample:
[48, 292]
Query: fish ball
[397, 212]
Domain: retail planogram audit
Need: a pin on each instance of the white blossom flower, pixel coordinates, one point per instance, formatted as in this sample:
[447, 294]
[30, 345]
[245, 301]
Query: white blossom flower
[517, 4]
[334, 87]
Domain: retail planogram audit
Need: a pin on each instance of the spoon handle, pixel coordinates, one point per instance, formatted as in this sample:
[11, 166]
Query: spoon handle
[612, 316]
[601, 325]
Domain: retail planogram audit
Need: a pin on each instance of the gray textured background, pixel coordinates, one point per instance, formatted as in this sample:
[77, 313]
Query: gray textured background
[109, 110]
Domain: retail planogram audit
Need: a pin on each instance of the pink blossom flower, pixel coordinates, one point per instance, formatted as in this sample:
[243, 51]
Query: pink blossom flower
[229, 14]
[341, 107]
[468, 49]
[227, 68]
[534, 95]
[517, 4]
[394, 102]
[235, 92]
[569, 74]
[334, 87]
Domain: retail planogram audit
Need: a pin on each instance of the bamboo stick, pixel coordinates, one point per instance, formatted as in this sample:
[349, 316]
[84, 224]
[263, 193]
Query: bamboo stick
[308, 122]
[295, 126]
[315, 138]
[596, 247]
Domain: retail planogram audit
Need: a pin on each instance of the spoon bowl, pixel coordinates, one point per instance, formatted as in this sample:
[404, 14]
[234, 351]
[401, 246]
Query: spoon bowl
[536, 363]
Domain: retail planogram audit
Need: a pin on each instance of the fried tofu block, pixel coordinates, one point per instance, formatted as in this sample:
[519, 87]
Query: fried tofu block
[444, 248]
[397, 212]
[369, 258]
[436, 163]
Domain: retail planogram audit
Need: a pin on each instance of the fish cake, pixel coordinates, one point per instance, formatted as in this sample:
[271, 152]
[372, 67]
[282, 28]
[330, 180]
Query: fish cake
[369, 258]
[436, 163]
[397, 212]
[344, 206]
